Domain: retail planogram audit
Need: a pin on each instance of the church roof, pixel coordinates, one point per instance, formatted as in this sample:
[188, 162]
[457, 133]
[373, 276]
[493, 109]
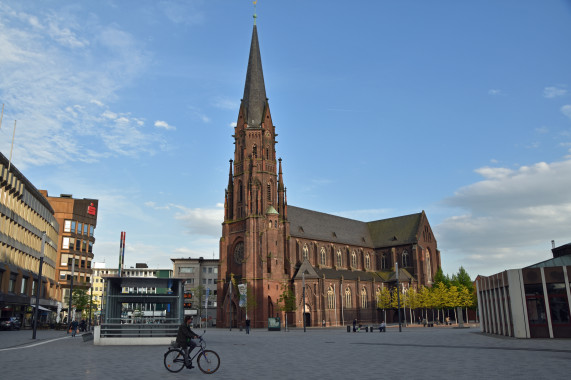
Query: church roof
[254, 100]
[395, 231]
[310, 224]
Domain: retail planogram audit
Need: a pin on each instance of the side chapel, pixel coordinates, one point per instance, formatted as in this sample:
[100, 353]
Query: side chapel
[267, 244]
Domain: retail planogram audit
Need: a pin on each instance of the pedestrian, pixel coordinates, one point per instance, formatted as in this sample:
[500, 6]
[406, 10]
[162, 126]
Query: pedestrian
[184, 339]
[247, 325]
[383, 327]
[355, 325]
[73, 328]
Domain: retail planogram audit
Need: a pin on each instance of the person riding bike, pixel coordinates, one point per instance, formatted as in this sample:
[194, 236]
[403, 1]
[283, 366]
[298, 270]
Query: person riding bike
[184, 339]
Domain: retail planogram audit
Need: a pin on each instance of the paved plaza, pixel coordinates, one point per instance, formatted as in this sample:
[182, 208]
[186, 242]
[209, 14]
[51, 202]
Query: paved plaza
[328, 353]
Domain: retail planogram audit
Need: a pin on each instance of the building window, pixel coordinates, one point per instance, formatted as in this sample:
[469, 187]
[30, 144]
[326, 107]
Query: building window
[185, 270]
[85, 227]
[84, 246]
[215, 270]
[12, 283]
[339, 259]
[23, 287]
[383, 261]
[65, 243]
[79, 228]
[269, 188]
[77, 244]
[428, 267]
[353, 260]
[204, 270]
[210, 270]
[367, 261]
[91, 231]
[331, 298]
[203, 281]
[323, 256]
[364, 298]
[405, 259]
[90, 250]
[67, 226]
[255, 151]
[305, 252]
[73, 226]
[348, 297]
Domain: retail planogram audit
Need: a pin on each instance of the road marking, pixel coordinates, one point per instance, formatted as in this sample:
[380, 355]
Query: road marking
[32, 345]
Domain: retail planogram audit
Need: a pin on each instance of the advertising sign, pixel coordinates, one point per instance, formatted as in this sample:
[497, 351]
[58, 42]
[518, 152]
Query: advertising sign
[242, 288]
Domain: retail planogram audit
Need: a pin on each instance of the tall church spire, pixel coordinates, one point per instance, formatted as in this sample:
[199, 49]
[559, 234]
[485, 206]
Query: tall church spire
[254, 100]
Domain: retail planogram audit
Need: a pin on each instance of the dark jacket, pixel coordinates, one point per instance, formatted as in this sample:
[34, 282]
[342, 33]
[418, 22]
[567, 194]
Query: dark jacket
[184, 333]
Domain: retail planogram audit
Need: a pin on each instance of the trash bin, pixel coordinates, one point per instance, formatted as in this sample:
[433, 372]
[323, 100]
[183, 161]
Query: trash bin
[372, 328]
[348, 328]
[366, 328]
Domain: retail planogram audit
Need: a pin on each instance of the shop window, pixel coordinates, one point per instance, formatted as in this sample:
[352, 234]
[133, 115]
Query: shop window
[558, 304]
[535, 304]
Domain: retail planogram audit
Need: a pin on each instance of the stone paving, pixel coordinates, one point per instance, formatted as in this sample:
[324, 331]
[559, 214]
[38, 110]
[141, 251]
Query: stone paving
[330, 353]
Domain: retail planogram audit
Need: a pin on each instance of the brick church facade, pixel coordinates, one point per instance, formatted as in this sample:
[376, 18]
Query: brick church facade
[268, 244]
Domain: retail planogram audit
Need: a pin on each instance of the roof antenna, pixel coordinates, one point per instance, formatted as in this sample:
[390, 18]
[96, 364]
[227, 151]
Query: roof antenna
[255, 15]
[2, 116]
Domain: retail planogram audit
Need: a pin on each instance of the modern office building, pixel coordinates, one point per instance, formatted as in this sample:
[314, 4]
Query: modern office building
[337, 265]
[77, 219]
[531, 302]
[131, 310]
[24, 217]
[200, 287]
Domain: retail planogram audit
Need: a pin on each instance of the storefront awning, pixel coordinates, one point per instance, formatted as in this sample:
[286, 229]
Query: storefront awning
[41, 308]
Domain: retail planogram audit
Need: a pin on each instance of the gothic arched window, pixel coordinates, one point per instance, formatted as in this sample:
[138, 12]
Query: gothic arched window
[323, 256]
[331, 298]
[367, 261]
[255, 151]
[305, 252]
[339, 259]
[383, 261]
[269, 188]
[428, 267]
[353, 260]
[348, 297]
[364, 298]
[405, 259]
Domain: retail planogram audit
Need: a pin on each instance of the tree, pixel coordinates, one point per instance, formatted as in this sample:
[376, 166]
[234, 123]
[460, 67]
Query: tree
[384, 301]
[439, 277]
[80, 299]
[287, 300]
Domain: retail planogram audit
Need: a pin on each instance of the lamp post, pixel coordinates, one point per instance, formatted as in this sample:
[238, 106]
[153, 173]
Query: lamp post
[91, 301]
[303, 292]
[398, 294]
[39, 287]
[69, 320]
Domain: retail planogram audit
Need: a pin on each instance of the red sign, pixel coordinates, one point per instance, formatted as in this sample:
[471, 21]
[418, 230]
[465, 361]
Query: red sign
[91, 210]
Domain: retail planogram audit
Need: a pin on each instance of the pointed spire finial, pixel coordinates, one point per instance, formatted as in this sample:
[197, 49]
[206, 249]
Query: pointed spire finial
[255, 15]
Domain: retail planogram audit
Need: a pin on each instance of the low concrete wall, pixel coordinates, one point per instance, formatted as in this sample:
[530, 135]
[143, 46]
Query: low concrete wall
[134, 341]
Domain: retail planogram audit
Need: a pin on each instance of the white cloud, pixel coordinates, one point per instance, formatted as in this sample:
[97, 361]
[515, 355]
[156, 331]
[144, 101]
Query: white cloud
[164, 125]
[233, 124]
[566, 110]
[508, 219]
[51, 83]
[554, 91]
[495, 91]
[542, 130]
[201, 221]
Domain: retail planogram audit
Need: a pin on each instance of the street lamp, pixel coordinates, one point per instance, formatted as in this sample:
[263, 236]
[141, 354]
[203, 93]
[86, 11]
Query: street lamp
[398, 294]
[39, 287]
[69, 320]
[91, 301]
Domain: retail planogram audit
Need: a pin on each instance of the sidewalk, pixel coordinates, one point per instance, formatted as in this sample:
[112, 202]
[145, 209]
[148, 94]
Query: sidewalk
[318, 352]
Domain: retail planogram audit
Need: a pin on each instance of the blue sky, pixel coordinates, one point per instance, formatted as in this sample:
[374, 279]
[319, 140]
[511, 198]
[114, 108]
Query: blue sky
[383, 108]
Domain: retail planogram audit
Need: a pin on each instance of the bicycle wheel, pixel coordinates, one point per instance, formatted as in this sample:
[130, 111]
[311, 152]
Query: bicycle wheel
[174, 360]
[208, 361]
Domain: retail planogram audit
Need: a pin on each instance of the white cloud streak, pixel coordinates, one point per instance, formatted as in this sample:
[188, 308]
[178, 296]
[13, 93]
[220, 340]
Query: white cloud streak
[554, 91]
[508, 219]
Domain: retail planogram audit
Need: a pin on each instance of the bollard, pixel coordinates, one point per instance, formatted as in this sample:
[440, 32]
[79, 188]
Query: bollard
[348, 328]
[372, 328]
[366, 328]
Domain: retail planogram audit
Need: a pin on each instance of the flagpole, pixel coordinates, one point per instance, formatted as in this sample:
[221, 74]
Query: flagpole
[12, 147]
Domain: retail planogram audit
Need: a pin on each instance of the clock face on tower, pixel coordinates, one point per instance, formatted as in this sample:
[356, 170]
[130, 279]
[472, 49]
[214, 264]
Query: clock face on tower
[239, 253]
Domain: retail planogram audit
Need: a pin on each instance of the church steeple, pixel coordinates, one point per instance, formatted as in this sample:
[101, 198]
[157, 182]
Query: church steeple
[254, 100]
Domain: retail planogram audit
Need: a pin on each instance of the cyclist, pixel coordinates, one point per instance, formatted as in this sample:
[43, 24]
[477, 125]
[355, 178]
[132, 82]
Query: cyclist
[183, 338]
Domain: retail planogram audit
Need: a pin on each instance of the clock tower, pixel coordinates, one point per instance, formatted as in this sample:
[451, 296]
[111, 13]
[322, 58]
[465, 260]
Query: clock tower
[255, 228]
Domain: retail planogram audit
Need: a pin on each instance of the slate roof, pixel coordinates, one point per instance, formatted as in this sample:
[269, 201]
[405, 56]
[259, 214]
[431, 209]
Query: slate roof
[315, 225]
[395, 231]
[254, 100]
[310, 224]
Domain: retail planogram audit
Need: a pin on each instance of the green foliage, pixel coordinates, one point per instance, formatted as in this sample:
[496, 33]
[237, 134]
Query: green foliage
[80, 299]
[384, 299]
[287, 300]
[439, 278]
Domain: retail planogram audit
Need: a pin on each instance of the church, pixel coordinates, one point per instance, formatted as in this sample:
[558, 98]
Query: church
[268, 245]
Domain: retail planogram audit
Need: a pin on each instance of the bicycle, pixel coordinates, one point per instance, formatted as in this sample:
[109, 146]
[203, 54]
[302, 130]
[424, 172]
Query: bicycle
[208, 361]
